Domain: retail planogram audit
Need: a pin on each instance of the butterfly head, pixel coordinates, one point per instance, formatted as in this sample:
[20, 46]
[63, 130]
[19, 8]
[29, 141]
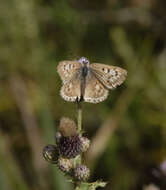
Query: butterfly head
[84, 61]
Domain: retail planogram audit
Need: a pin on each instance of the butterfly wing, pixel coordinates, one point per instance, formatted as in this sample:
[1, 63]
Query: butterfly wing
[67, 69]
[95, 92]
[71, 90]
[109, 76]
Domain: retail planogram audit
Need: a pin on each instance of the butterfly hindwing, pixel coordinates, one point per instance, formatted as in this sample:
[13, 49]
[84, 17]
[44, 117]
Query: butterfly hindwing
[71, 90]
[110, 76]
[94, 92]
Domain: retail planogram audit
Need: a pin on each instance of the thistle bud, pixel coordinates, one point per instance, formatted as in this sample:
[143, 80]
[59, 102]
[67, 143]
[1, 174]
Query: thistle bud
[82, 173]
[70, 147]
[64, 164]
[85, 144]
[67, 127]
[58, 136]
[50, 153]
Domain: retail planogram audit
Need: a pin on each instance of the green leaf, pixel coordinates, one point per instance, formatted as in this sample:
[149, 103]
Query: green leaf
[91, 186]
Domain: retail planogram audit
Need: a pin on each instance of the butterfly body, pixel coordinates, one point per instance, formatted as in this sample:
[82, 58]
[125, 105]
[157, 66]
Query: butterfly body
[84, 71]
[88, 82]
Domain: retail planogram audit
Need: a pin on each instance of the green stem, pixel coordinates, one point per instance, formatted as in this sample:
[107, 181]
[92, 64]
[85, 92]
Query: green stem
[79, 124]
[78, 159]
[79, 117]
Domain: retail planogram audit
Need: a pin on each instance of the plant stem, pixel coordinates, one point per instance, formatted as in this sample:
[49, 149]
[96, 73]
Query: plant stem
[79, 117]
[79, 129]
[78, 159]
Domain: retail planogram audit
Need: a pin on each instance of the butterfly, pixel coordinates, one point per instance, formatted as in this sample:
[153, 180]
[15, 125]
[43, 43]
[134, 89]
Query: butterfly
[87, 81]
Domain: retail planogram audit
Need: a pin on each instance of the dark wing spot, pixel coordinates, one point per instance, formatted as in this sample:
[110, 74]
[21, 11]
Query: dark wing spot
[116, 73]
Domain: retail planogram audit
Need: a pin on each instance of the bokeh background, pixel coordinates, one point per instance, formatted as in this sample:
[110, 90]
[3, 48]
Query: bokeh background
[127, 131]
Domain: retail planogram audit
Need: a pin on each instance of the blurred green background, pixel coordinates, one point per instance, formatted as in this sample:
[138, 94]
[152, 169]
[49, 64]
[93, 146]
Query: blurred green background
[128, 130]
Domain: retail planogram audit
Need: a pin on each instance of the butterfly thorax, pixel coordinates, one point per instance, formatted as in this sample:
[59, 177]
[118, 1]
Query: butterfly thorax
[84, 71]
[84, 66]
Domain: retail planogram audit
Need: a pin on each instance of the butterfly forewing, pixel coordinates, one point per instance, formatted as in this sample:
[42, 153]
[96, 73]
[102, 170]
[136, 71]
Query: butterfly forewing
[94, 92]
[109, 76]
[67, 69]
[71, 90]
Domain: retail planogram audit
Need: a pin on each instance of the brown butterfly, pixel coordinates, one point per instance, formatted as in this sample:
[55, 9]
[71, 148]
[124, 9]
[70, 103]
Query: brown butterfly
[88, 82]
